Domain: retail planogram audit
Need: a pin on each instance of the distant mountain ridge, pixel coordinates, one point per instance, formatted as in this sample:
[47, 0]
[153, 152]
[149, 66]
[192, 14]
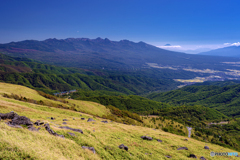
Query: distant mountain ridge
[79, 52]
[104, 54]
[73, 44]
[232, 51]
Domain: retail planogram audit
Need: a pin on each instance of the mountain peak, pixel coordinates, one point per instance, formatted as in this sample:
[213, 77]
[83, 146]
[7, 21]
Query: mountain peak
[230, 51]
[99, 39]
[51, 39]
[125, 40]
[106, 39]
[167, 45]
[141, 42]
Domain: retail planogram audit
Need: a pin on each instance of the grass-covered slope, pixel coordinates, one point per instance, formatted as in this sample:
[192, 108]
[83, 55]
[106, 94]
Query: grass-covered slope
[17, 143]
[82, 106]
[225, 99]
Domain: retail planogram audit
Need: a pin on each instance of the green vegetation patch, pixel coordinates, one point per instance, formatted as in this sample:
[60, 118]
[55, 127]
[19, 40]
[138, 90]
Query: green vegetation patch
[224, 99]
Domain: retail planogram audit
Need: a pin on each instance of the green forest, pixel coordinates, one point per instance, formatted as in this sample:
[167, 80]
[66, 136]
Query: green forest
[224, 99]
[50, 78]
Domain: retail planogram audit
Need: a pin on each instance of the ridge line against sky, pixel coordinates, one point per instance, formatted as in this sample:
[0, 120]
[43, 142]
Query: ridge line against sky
[186, 23]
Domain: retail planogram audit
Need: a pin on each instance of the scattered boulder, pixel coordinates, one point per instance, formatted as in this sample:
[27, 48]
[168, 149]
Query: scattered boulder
[65, 120]
[206, 147]
[90, 120]
[38, 123]
[122, 146]
[14, 126]
[168, 156]
[53, 118]
[9, 115]
[185, 139]
[72, 134]
[64, 123]
[202, 158]
[16, 120]
[47, 127]
[104, 121]
[159, 140]
[182, 148]
[192, 156]
[90, 148]
[80, 115]
[82, 118]
[76, 130]
[73, 118]
[147, 138]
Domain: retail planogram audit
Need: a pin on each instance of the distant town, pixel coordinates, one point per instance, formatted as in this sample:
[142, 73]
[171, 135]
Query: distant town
[215, 75]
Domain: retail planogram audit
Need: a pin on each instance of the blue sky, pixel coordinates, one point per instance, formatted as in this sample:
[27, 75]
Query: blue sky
[185, 23]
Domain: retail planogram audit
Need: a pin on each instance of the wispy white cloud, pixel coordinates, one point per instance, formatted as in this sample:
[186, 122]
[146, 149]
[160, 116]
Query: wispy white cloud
[226, 44]
[177, 46]
[236, 44]
[232, 44]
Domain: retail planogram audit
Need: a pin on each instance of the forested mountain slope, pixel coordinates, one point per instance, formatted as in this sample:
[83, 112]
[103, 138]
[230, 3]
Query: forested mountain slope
[50, 78]
[232, 51]
[225, 99]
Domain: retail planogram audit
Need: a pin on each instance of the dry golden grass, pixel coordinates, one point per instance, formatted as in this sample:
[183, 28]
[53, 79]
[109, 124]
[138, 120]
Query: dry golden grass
[105, 138]
[91, 107]
[82, 106]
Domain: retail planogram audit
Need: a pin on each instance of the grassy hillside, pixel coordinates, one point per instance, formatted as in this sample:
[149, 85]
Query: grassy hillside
[87, 107]
[218, 97]
[104, 137]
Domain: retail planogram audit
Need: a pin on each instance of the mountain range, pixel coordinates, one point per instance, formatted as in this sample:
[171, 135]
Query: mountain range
[110, 77]
[232, 51]
[106, 54]
[180, 49]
